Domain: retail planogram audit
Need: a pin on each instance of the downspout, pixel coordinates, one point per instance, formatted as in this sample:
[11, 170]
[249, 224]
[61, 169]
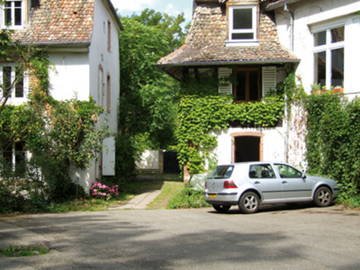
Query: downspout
[287, 109]
[292, 26]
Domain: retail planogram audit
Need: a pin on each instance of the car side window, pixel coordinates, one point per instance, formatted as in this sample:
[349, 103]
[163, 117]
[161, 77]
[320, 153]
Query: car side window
[261, 171]
[286, 171]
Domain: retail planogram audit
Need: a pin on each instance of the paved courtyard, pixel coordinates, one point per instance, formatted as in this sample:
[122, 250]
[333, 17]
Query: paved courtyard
[283, 238]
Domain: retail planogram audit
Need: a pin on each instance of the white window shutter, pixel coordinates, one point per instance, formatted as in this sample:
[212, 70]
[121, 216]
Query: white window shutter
[225, 85]
[268, 79]
[108, 157]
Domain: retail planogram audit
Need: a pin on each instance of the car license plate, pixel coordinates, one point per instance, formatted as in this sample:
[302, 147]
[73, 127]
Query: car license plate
[212, 195]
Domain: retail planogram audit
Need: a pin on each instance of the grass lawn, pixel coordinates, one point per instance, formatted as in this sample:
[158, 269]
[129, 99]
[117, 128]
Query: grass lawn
[127, 192]
[168, 191]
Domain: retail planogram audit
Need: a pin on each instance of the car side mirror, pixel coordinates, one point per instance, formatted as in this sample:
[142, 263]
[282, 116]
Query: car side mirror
[303, 176]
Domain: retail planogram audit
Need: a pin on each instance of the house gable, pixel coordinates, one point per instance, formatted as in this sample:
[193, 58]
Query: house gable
[206, 41]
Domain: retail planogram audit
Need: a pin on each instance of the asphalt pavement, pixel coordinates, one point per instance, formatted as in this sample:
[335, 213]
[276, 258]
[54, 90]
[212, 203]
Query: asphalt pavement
[275, 238]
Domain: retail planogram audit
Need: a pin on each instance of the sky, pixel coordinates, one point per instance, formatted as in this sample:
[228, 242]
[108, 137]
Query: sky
[172, 7]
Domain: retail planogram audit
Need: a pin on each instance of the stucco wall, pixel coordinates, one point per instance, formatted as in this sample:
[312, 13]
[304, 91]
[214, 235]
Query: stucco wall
[69, 76]
[311, 15]
[108, 61]
[273, 143]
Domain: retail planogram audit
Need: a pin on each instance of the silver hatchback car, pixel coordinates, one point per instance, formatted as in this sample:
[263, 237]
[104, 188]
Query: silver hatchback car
[251, 184]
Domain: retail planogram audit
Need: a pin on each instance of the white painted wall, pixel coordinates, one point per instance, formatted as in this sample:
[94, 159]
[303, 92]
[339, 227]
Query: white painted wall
[322, 13]
[104, 63]
[273, 143]
[69, 76]
[99, 56]
[150, 160]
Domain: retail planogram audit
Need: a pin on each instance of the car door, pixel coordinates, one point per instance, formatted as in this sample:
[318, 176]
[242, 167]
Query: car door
[264, 179]
[294, 185]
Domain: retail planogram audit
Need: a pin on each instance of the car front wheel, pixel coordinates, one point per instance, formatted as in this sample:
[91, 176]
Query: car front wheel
[249, 202]
[220, 208]
[323, 197]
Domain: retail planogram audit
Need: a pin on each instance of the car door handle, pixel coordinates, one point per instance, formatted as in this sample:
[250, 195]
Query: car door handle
[284, 182]
[256, 182]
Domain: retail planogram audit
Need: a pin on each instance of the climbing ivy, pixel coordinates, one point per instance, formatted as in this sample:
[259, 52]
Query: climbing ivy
[60, 135]
[333, 140]
[199, 116]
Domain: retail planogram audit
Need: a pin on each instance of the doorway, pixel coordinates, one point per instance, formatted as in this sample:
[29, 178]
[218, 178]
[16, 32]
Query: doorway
[247, 148]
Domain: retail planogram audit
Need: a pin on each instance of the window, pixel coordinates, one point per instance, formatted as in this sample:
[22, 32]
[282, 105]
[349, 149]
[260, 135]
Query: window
[12, 82]
[242, 23]
[247, 86]
[14, 158]
[286, 171]
[329, 57]
[109, 36]
[223, 172]
[108, 94]
[261, 171]
[12, 13]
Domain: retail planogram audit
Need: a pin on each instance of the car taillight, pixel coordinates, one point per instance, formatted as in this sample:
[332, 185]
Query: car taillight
[229, 184]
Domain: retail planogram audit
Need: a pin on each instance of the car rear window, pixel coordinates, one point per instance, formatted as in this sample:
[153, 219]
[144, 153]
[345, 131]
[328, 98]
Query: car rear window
[223, 172]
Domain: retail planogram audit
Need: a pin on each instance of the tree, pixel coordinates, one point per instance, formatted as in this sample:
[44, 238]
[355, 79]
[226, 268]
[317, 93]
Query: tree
[148, 95]
[27, 58]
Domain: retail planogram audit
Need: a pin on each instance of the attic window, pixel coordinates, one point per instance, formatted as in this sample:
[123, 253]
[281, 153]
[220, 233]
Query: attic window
[242, 23]
[13, 13]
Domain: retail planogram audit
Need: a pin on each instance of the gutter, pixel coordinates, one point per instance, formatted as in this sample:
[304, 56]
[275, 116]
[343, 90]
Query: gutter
[226, 63]
[279, 4]
[72, 47]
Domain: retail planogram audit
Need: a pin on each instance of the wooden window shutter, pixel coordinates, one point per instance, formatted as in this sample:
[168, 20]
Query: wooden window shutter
[268, 79]
[225, 84]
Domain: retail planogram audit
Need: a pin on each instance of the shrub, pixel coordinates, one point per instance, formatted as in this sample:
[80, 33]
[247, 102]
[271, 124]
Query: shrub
[102, 191]
[188, 198]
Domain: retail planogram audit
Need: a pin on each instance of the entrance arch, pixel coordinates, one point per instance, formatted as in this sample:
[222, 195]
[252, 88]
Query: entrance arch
[247, 146]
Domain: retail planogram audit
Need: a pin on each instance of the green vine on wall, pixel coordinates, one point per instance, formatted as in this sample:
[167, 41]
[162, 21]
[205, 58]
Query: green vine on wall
[198, 116]
[333, 140]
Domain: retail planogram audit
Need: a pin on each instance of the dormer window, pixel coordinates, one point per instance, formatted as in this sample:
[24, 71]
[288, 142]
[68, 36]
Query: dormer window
[242, 23]
[11, 13]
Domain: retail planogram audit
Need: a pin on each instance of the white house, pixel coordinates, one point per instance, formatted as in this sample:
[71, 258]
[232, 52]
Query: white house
[324, 35]
[250, 46]
[82, 41]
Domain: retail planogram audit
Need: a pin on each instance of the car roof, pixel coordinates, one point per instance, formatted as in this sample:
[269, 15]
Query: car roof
[252, 163]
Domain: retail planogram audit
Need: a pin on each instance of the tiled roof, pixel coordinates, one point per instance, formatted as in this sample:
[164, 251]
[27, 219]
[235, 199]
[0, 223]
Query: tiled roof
[205, 42]
[59, 22]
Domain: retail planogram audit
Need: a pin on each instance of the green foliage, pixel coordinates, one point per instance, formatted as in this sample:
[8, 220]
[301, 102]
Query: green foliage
[200, 115]
[352, 201]
[188, 198]
[333, 140]
[169, 25]
[148, 95]
[61, 135]
[30, 59]
[23, 251]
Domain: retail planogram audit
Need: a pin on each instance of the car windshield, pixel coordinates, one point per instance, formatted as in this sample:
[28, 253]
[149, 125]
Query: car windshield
[223, 172]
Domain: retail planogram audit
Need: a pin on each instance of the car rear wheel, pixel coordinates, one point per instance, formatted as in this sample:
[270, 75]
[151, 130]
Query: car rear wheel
[220, 208]
[323, 197]
[249, 202]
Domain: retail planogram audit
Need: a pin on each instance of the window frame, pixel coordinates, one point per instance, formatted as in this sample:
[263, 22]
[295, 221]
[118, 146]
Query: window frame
[252, 30]
[264, 165]
[276, 165]
[13, 89]
[328, 48]
[12, 8]
[248, 86]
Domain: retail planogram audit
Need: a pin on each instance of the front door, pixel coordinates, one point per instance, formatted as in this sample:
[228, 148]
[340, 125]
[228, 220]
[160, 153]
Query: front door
[247, 148]
[294, 186]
